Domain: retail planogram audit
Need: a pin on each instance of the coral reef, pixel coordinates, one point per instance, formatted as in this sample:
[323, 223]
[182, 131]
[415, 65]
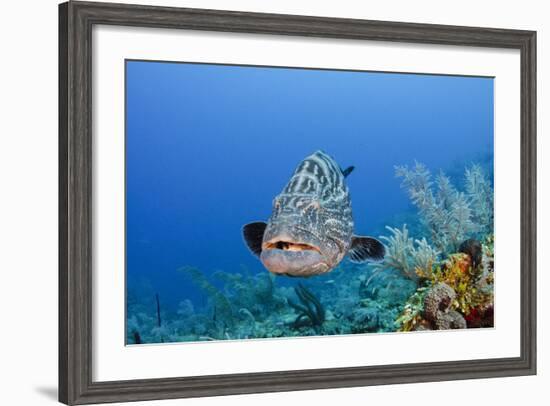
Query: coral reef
[407, 255]
[450, 216]
[222, 310]
[473, 249]
[457, 293]
[437, 308]
[310, 310]
[455, 279]
[438, 273]
[411, 318]
[467, 281]
[258, 306]
[480, 197]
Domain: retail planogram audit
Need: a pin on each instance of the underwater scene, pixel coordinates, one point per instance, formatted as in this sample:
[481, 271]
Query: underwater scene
[268, 202]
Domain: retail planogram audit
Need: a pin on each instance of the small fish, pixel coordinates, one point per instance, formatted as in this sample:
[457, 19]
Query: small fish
[311, 226]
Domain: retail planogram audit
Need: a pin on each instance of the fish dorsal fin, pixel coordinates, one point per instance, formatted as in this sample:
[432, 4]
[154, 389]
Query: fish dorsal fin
[366, 249]
[347, 171]
[253, 234]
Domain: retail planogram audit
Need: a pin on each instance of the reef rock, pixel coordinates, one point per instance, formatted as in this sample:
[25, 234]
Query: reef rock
[437, 308]
[450, 320]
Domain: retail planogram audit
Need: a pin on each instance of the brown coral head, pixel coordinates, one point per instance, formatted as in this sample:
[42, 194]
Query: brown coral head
[437, 308]
[438, 300]
[473, 249]
[445, 303]
[450, 320]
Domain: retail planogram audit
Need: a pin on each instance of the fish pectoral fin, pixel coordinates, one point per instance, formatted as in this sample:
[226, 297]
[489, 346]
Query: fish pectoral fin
[253, 234]
[365, 249]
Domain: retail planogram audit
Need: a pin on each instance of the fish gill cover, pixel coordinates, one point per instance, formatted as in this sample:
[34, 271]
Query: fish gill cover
[209, 147]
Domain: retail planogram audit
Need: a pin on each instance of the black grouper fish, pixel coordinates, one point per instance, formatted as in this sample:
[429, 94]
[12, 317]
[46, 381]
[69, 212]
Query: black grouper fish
[311, 226]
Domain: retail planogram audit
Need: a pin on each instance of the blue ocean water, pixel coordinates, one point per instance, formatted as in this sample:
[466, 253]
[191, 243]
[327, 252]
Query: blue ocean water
[208, 147]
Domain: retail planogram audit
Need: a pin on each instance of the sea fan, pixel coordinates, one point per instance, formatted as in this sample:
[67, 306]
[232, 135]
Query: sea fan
[480, 196]
[406, 255]
[450, 216]
[222, 310]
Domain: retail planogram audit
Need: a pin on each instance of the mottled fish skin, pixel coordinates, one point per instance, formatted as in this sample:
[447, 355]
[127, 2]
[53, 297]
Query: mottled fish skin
[311, 226]
[317, 201]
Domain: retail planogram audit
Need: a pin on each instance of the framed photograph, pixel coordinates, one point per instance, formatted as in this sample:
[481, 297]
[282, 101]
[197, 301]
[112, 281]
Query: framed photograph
[259, 202]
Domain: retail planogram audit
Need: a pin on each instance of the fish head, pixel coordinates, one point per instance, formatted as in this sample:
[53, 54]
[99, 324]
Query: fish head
[294, 242]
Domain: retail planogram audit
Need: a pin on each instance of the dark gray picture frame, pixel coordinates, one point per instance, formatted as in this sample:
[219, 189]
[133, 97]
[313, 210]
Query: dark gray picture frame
[76, 20]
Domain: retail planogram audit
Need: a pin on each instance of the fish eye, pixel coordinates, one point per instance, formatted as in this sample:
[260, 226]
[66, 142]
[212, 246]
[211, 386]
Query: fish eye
[276, 205]
[302, 205]
[313, 204]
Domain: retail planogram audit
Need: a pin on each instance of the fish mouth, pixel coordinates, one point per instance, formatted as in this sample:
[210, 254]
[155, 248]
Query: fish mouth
[287, 257]
[287, 245]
